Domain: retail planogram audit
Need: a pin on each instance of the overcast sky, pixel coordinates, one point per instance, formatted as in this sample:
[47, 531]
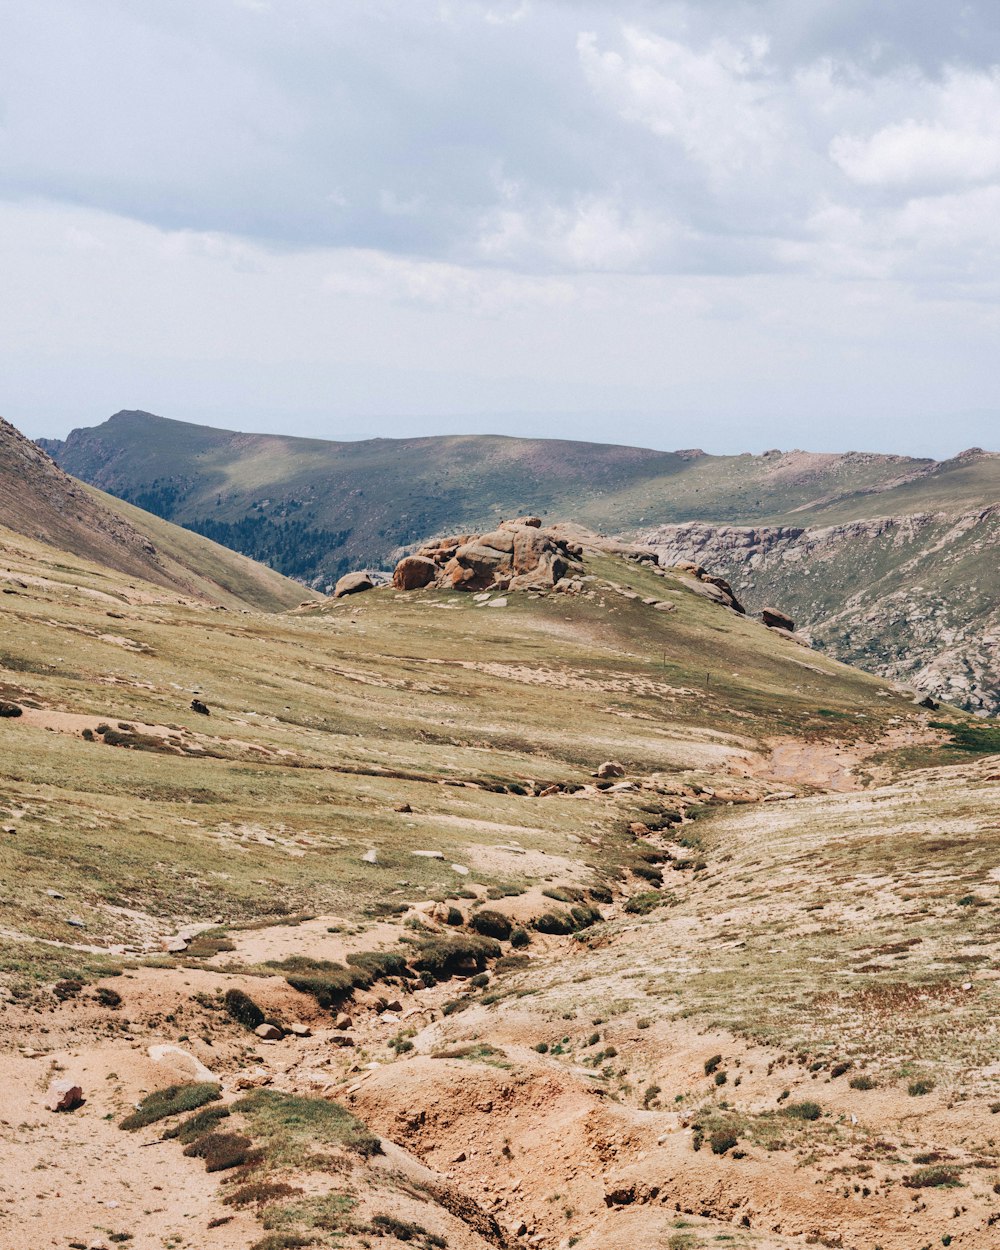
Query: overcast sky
[734, 225]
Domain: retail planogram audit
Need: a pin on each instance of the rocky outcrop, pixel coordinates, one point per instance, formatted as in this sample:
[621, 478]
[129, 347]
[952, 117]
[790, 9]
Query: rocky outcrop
[517, 555]
[914, 598]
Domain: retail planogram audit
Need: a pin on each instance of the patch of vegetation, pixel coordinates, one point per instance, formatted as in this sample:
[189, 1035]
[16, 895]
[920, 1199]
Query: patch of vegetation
[243, 1009]
[260, 1193]
[802, 1110]
[916, 1089]
[939, 1176]
[977, 737]
[220, 1150]
[173, 1100]
[493, 924]
[290, 1126]
[721, 1141]
[198, 1124]
[862, 1082]
[445, 956]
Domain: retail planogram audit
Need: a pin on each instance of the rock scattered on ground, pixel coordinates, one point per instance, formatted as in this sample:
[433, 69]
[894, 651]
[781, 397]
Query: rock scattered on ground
[63, 1096]
[352, 584]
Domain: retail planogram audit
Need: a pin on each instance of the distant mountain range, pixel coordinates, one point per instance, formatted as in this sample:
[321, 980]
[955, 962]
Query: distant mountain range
[889, 562]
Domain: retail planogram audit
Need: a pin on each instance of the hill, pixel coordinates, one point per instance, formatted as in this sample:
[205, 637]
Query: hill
[40, 500]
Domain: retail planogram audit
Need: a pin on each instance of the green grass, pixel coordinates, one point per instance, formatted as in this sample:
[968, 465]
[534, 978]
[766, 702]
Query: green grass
[173, 1100]
[290, 1128]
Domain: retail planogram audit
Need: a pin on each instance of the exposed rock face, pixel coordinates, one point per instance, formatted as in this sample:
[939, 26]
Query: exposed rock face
[517, 555]
[414, 572]
[352, 584]
[914, 598]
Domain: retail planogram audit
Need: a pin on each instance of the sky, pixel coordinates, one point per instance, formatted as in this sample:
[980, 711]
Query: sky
[730, 224]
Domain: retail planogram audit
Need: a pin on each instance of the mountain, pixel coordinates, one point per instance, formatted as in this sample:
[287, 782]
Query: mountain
[314, 508]
[592, 912]
[885, 561]
[41, 501]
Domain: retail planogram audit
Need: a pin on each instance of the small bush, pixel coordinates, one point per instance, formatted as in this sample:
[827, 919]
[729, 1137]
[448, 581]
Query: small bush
[220, 1150]
[108, 997]
[442, 957]
[520, 938]
[721, 1078]
[67, 989]
[290, 1123]
[937, 1177]
[652, 1092]
[839, 1069]
[802, 1110]
[174, 1100]
[643, 903]
[862, 1082]
[281, 1241]
[917, 1089]
[721, 1141]
[455, 917]
[563, 893]
[712, 1064]
[511, 963]
[601, 894]
[556, 922]
[648, 873]
[243, 1009]
[542, 1048]
[493, 924]
[331, 984]
[584, 916]
[402, 1230]
[379, 964]
[198, 1124]
[259, 1193]
[480, 980]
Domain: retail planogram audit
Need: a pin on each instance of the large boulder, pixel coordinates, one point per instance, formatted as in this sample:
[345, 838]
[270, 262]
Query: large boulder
[352, 584]
[777, 620]
[63, 1096]
[414, 572]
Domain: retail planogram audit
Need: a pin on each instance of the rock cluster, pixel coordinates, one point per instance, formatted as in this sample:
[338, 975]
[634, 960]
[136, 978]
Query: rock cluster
[712, 587]
[517, 555]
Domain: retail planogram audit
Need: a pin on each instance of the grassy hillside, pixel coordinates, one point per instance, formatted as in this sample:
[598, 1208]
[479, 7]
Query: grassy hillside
[315, 508]
[40, 500]
[773, 900]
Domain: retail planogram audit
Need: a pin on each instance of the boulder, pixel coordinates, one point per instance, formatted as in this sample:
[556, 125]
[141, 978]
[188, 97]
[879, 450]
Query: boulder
[611, 769]
[352, 584]
[774, 619]
[9, 710]
[269, 1032]
[63, 1096]
[343, 1021]
[414, 572]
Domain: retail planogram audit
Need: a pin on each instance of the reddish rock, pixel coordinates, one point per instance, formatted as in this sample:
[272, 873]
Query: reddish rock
[777, 620]
[63, 1096]
[414, 572]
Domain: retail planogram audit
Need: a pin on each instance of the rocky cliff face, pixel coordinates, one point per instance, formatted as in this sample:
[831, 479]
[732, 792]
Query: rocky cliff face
[915, 598]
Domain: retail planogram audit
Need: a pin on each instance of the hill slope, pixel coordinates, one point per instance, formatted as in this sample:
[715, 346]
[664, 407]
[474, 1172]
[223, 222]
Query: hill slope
[783, 893]
[40, 500]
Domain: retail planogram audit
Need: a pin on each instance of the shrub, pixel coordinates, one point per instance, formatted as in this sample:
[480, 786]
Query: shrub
[652, 1091]
[584, 916]
[648, 873]
[281, 1241]
[493, 924]
[480, 980]
[720, 1077]
[645, 902]
[557, 922]
[379, 964]
[520, 937]
[542, 1048]
[917, 1088]
[220, 1150]
[402, 1230]
[329, 983]
[721, 1141]
[259, 1193]
[839, 1069]
[243, 1009]
[862, 1082]
[564, 893]
[442, 957]
[802, 1110]
[712, 1064]
[454, 917]
[67, 989]
[937, 1177]
[511, 963]
[198, 1124]
[174, 1100]
[601, 894]
[108, 997]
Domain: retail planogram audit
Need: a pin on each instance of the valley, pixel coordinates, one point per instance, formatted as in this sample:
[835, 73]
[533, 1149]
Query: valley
[587, 914]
